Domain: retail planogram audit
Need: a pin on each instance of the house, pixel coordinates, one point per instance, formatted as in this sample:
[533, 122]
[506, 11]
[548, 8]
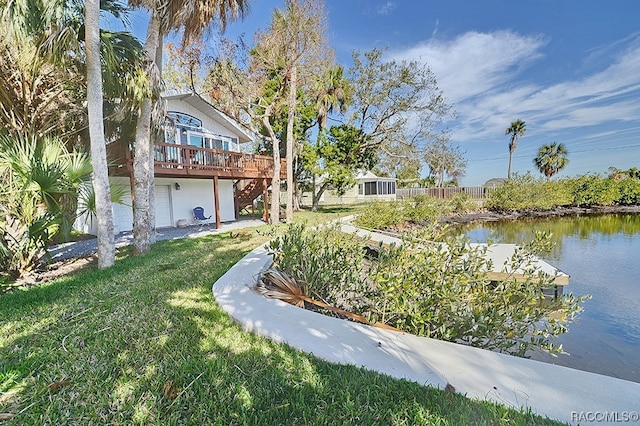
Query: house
[368, 187]
[494, 183]
[199, 163]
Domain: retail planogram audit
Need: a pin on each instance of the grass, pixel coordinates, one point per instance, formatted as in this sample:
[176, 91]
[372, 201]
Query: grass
[145, 343]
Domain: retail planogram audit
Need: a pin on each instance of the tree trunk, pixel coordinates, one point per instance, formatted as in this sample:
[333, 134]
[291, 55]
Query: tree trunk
[274, 217]
[316, 196]
[293, 83]
[100, 175]
[143, 148]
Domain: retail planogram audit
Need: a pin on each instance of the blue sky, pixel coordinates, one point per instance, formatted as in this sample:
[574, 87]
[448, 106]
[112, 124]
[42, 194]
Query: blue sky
[570, 69]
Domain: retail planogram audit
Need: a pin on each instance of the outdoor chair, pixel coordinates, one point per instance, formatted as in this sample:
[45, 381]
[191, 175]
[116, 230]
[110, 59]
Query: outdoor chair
[198, 213]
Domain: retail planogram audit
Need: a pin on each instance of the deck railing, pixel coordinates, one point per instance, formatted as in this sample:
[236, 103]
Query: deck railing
[187, 160]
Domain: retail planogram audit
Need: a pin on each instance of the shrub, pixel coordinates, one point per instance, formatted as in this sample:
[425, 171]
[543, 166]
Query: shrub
[593, 190]
[524, 192]
[629, 190]
[381, 215]
[430, 289]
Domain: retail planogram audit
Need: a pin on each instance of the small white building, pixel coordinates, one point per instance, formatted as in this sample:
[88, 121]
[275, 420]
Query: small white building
[198, 164]
[369, 187]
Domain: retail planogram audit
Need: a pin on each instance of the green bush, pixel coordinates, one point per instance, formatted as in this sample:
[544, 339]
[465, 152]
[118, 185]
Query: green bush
[593, 190]
[629, 190]
[381, 215]
[430, 289]
[422, 208]
[325, 260]
[461, 202]
[524, 192]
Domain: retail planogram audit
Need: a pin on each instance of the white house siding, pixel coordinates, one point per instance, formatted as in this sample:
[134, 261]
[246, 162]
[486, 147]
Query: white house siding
[171, 204]
[208, 123]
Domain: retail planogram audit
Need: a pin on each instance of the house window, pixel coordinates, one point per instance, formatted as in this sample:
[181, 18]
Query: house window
[360, 189]
[370, 188]
[179, 118]
[196, 140]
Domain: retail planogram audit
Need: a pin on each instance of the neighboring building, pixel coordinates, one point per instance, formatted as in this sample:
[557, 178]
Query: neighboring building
[369, 187]
[199, 163]
[494, 183]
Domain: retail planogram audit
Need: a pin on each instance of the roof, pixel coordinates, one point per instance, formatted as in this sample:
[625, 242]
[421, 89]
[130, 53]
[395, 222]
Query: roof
[368, 174]
[203, 105]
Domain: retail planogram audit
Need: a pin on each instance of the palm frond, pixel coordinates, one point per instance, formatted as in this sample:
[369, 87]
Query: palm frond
[276, 284]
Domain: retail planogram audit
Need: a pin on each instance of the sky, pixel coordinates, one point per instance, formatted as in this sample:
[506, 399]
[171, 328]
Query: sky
[569, 69]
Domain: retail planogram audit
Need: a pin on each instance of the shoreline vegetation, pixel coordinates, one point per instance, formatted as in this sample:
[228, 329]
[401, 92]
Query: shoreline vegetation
[484, 215]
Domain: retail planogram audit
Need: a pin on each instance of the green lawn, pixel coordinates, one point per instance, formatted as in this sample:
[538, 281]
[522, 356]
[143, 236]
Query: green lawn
[145, 343]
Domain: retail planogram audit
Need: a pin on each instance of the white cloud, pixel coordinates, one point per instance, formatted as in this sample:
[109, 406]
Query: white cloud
[483, 75]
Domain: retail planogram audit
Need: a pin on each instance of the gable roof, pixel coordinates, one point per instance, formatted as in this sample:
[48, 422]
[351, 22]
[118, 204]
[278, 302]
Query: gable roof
[368, 174]
[203, 105]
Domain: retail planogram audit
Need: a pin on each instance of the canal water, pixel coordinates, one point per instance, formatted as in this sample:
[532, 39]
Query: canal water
[602, 256]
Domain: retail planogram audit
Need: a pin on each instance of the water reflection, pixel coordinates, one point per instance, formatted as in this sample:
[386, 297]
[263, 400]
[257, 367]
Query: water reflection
[602, 256]
[582, 227]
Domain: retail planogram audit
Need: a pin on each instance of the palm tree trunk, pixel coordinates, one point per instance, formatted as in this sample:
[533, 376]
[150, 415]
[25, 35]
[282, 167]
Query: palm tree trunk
[293, 83]
[100, 175]
[143, 160]
[509, 170]
[274, 216]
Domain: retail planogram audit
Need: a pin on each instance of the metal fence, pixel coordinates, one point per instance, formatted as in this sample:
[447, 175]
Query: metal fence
[476, 192]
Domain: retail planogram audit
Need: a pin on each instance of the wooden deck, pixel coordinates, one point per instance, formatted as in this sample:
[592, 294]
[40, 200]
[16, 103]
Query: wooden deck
[173, 160]
[498, 254]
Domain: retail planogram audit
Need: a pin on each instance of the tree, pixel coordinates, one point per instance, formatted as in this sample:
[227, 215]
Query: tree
[338, 156]
[100, 175]
[551, 159]
[397, 104]
[332, 93]
[444, 160]
[193, 17]
[516, 130]
[293, 46]
[46, 87]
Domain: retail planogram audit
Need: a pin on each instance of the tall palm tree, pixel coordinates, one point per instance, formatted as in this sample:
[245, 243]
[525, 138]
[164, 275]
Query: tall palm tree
[194, 17]
[516, 130]
[100, 175]
[333, 93]
[551, 159]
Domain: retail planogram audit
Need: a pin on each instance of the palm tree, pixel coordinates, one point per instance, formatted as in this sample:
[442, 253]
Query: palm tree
[100, 175]
[333, 93]
[551, 159]
[516, 130]
[194, 17]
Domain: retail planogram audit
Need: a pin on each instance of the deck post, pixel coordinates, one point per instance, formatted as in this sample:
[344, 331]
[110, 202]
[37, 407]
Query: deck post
[265, 201]
[216, 199]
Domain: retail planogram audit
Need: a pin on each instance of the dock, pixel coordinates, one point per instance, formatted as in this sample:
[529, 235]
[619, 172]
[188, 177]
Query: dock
[498, 254]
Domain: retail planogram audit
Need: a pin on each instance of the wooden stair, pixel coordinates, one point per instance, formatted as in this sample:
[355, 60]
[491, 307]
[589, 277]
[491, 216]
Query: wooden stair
[245, 192]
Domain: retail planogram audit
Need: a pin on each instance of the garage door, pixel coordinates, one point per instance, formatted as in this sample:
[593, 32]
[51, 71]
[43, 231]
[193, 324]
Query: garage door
[163, 207]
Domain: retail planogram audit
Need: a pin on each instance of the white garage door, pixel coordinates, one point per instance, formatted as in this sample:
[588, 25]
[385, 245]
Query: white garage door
[163, 207]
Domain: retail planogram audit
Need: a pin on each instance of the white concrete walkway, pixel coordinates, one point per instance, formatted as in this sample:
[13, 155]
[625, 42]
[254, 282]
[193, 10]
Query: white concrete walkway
[557, 392]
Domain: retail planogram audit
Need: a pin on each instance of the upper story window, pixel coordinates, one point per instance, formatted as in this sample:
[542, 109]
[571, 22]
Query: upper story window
[179, 118]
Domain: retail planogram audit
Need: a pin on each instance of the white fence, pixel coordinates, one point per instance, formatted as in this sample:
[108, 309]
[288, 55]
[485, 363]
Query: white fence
[477, 192]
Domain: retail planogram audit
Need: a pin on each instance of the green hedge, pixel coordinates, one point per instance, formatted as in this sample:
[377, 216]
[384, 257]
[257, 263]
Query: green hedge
[528, 193]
